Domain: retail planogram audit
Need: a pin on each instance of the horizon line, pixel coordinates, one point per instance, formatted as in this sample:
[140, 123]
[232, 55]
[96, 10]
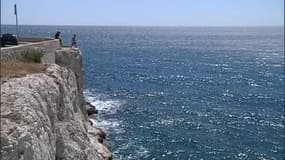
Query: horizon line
[106, 25]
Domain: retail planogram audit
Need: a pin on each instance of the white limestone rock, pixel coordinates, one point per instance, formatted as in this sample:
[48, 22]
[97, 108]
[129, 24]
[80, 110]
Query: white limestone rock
[41, 118]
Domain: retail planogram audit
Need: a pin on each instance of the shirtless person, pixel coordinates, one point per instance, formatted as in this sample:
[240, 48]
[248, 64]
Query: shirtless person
[73, 41]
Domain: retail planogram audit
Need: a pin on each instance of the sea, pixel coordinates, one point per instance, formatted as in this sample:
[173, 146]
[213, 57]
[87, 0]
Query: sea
[183, 93]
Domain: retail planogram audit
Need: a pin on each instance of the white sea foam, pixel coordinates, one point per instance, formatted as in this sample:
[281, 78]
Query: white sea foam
[103, 103]
[111, 125]
[106, 106]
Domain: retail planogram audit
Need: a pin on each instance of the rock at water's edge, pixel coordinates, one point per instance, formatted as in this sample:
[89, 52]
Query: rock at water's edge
[90, 109]
[41, 118]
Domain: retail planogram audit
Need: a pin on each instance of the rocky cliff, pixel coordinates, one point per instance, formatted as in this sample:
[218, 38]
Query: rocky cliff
[43, 115]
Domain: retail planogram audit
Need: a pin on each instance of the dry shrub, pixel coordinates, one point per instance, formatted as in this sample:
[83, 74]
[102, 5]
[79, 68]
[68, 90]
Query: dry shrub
[19, 69]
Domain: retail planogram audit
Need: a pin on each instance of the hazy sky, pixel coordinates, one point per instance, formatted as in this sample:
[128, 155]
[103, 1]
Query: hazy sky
[145, 12]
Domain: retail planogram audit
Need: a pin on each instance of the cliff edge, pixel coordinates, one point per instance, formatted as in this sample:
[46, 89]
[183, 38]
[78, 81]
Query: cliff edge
[43, 115]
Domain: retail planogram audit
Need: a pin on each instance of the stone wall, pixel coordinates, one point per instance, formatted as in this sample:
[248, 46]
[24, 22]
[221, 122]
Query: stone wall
[47, 47]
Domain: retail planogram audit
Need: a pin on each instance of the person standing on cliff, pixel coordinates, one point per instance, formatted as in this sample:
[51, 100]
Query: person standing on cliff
[73, 41]
[57, 36]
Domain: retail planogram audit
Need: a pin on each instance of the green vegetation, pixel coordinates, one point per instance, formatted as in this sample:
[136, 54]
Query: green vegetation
[32, 55]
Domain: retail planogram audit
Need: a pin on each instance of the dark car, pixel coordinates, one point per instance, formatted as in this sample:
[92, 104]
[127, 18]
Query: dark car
[9, 39]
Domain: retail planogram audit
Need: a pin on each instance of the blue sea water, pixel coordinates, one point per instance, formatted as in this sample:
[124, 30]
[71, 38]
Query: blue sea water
[167, 93]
